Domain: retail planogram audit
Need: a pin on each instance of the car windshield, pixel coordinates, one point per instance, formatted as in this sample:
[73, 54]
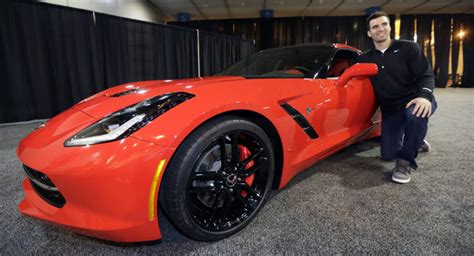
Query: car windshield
[288, 62]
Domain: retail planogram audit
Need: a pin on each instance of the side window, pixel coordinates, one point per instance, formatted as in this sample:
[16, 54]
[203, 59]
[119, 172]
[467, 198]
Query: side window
[288, 62]
[341, 61]
[276, 63]
[285, 62]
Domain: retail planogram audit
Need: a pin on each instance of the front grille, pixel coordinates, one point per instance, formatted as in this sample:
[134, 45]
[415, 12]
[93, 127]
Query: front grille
[44, 187]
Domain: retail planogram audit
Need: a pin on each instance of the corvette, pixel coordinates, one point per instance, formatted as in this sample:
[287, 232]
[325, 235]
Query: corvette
[206, 151]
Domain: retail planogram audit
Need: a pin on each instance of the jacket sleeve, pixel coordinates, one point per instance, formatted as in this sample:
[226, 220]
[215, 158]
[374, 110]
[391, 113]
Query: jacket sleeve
[420, 68]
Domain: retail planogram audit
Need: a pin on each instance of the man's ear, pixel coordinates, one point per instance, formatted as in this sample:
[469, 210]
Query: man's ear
[368, 34]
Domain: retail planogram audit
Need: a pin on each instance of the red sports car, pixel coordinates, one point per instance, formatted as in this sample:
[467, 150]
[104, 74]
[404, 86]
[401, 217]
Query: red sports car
[205, 150]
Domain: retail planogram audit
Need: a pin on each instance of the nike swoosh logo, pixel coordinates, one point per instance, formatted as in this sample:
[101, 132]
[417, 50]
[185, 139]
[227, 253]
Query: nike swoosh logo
[396, 51]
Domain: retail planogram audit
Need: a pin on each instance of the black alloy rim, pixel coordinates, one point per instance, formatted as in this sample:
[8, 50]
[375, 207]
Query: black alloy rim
[218, 195]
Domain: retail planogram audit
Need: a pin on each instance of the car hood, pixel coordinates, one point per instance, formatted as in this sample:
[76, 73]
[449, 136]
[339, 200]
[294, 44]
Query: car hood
[119, 97]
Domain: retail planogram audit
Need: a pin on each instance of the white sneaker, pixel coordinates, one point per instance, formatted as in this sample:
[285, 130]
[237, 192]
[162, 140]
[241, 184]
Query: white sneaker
[425, 147]
[402, 172]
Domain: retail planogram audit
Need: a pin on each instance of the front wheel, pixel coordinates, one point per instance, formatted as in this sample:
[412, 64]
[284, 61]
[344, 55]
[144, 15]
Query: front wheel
[218, 179]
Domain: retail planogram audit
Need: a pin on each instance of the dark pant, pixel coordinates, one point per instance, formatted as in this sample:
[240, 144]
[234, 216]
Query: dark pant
[403, 134]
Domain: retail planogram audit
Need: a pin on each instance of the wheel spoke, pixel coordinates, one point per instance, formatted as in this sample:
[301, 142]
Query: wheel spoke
[202, 188]
[244, 186]
[235, 149]
[206, 176]
[238, 194]
[261, 163]
[252, 157]
[214, 207]
[227, 202]
[245, 200]
[223, 152]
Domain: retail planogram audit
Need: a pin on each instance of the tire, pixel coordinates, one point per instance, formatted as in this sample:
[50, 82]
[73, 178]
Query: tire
[208, 198]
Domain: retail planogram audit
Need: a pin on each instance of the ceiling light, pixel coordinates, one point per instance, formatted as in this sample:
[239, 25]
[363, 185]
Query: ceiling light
[243, 4]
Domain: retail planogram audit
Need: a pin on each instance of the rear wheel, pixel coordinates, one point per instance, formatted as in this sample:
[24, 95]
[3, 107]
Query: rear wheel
[218, 179]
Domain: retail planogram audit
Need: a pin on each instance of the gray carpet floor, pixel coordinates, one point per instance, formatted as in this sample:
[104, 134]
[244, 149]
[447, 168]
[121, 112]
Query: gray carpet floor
[345, 204]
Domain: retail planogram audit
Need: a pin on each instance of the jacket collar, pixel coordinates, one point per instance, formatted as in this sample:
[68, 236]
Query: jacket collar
[393, 43]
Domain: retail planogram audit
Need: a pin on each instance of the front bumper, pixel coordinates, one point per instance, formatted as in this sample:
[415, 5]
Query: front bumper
[110, 189]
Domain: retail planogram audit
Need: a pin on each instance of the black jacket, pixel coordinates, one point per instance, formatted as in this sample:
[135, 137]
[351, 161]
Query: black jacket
[404, 74]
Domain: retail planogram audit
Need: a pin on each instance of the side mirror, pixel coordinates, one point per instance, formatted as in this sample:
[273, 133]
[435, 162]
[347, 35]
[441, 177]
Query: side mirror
[357, 70]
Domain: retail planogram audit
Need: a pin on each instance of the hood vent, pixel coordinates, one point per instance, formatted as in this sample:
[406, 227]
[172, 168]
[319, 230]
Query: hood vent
[120, 94]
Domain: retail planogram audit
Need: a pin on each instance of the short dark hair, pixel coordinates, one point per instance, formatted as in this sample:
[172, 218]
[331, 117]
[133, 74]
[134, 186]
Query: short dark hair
[375, 15]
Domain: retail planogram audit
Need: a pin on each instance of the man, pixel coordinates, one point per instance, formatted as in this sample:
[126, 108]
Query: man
[404, 89]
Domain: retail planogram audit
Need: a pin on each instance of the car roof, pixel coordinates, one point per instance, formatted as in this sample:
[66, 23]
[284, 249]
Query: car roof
[328, 45]
[344, 46]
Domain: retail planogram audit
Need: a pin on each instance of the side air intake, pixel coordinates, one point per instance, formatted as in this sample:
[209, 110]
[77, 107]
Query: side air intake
[300, 120]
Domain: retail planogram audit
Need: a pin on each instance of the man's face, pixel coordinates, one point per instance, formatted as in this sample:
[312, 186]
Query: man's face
[379, 29]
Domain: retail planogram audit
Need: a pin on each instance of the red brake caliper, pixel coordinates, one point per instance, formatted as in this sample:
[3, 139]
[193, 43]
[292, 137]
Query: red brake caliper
[244, 153]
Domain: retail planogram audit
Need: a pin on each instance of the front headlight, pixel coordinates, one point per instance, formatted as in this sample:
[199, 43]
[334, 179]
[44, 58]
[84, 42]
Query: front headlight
[122, 123]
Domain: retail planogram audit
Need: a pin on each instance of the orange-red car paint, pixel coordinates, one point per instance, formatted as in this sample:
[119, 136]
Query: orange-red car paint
[108, 186]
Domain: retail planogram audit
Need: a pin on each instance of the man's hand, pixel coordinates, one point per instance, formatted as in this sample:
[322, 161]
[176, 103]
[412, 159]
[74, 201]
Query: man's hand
[422, 107]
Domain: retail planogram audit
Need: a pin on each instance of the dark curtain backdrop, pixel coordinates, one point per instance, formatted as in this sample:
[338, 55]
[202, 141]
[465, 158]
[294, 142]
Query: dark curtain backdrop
[290, 31]
[392, 25]
[54, 56]
[278, 32]
[267, 34]
[135, 50]
[284, 32]
[49, 60]
[344, 28]
[364, 42]
[455, 54]
[407, 27]
[468, 50]
[423, 29]
[442, 25]
[219, 52]
[249, 29]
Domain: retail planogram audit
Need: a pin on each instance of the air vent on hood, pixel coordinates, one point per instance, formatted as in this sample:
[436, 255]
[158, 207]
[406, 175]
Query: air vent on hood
[120, 94]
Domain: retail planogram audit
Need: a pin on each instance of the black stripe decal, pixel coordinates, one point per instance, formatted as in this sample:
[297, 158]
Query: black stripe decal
[300, 120]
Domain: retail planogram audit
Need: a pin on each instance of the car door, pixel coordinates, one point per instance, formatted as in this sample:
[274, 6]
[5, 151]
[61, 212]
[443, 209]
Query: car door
[346, 109]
